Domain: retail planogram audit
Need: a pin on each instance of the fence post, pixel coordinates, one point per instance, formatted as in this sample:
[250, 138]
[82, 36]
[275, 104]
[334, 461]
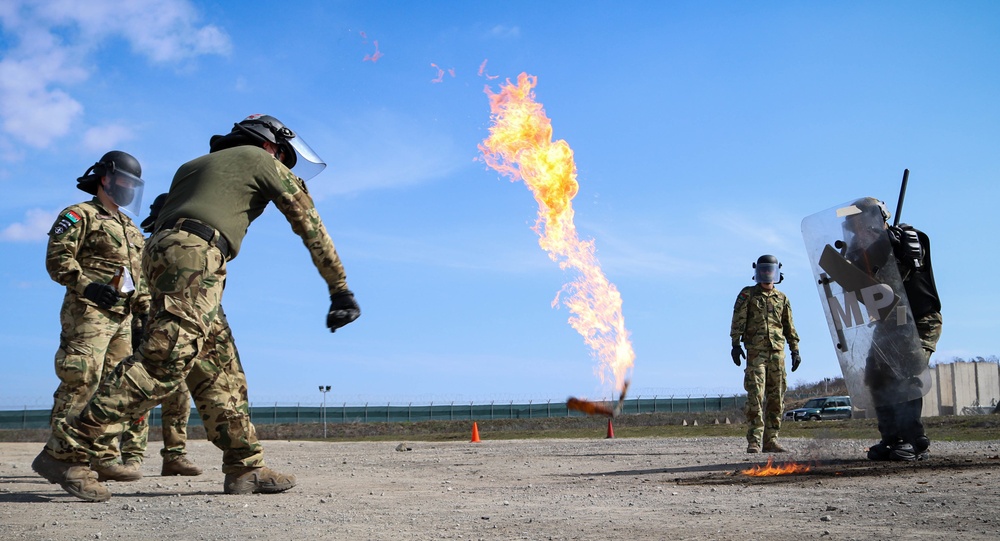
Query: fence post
[548, 408]
[387, 411]
[366, 412]
[491, 410]
[529, 409]
[430, 412]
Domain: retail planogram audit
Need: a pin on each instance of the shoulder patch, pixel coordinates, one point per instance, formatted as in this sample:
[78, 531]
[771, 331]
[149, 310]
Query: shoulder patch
[66, 221]
[743, 296]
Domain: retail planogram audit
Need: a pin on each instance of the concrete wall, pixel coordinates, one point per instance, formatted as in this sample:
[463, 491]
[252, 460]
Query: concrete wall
[988, 383]
[961, 385]
[945, 389]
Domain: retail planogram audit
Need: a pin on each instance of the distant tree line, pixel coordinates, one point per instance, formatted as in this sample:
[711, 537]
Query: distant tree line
[825, 387]
[977, 359]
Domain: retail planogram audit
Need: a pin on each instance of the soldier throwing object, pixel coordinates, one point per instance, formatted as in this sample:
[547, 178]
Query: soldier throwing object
[212, 201]
[175, 410]
[762, 319]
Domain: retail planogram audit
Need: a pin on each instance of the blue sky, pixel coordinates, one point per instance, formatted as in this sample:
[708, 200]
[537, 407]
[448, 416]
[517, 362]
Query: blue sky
[703, 133]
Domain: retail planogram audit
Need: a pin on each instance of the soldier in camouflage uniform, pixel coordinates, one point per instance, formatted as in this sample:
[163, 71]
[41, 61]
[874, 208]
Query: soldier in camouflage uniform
[762, 320]
[88, 244]
[211, 203]
[174, 410]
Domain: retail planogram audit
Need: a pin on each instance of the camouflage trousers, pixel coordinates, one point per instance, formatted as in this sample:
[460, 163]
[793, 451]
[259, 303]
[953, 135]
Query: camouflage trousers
[764, 381]
[91, 344]
[174, 413]
[188, 340]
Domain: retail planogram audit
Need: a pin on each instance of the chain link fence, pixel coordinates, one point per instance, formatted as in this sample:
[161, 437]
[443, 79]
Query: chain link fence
[412, 413]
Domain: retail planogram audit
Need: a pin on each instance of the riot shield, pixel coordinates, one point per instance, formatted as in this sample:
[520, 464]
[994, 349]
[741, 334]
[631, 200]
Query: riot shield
[861, 291]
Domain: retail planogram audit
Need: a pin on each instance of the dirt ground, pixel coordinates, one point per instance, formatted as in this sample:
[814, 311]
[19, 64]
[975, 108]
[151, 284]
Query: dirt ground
[622, 488]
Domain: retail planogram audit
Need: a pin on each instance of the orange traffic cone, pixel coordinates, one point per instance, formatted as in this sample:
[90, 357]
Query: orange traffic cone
[475, 433]
[611, 430]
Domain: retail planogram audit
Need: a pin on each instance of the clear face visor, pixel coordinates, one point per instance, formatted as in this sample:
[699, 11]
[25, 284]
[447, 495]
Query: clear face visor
[308, 164]
[860, 232]
[767, 273]
[125, 189]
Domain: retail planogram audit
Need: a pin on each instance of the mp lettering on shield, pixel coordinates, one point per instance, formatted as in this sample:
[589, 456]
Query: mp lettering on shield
[859, 289]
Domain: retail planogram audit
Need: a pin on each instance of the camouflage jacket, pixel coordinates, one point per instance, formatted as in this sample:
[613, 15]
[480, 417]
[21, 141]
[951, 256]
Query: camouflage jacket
[762, 320]
[88, 244]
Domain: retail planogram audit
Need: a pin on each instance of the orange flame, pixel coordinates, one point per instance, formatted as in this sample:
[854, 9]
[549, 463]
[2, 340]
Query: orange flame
[520, 146]
[770, 469]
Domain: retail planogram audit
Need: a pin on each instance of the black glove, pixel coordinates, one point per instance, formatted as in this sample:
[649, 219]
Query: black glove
[737, 354]
[906, 244]
[138, 328]
[796, 360]
[343, 310]
[103, 295]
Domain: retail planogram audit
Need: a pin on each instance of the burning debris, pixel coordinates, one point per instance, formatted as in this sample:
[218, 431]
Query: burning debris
[520, 146]
[771, 469]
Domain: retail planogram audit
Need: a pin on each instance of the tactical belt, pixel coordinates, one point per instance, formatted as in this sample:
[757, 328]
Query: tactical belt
[198, 229]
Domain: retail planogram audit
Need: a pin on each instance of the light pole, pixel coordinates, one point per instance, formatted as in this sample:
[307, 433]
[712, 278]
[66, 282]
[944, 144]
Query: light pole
[324, 389]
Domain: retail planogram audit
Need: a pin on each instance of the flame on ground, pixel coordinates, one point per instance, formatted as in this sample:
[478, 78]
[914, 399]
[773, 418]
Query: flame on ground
[520, 146]
[770, 469]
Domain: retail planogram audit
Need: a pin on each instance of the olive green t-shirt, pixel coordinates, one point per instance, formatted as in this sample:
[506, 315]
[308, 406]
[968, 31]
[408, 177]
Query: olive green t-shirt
[230, 188]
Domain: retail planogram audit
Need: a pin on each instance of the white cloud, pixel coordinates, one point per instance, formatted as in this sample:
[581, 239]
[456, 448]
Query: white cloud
[35, 227]
[54, 40]
[99, 138]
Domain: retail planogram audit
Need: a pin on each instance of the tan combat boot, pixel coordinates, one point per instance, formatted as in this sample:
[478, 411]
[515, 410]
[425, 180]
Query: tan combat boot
[77, 479]
[180, 466]
[130, 471]
[773, 447]
[257, 480]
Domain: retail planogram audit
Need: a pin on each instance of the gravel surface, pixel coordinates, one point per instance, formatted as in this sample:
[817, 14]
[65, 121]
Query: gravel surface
[624, 488]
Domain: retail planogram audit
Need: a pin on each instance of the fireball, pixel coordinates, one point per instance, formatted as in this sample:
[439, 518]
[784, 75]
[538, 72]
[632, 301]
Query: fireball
[520, 146]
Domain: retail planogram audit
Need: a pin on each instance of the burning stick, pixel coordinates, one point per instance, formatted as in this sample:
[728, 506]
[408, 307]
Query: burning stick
[588, 407]
[621, 398]
[594, 408]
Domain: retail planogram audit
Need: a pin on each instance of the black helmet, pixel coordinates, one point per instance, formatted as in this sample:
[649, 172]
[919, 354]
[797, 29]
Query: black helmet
[867, 203]
[255, 130]
[766, 269]
[110, 163]
[154, 211]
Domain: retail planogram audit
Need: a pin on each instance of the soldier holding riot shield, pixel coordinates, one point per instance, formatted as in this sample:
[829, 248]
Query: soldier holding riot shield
[877, 285]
